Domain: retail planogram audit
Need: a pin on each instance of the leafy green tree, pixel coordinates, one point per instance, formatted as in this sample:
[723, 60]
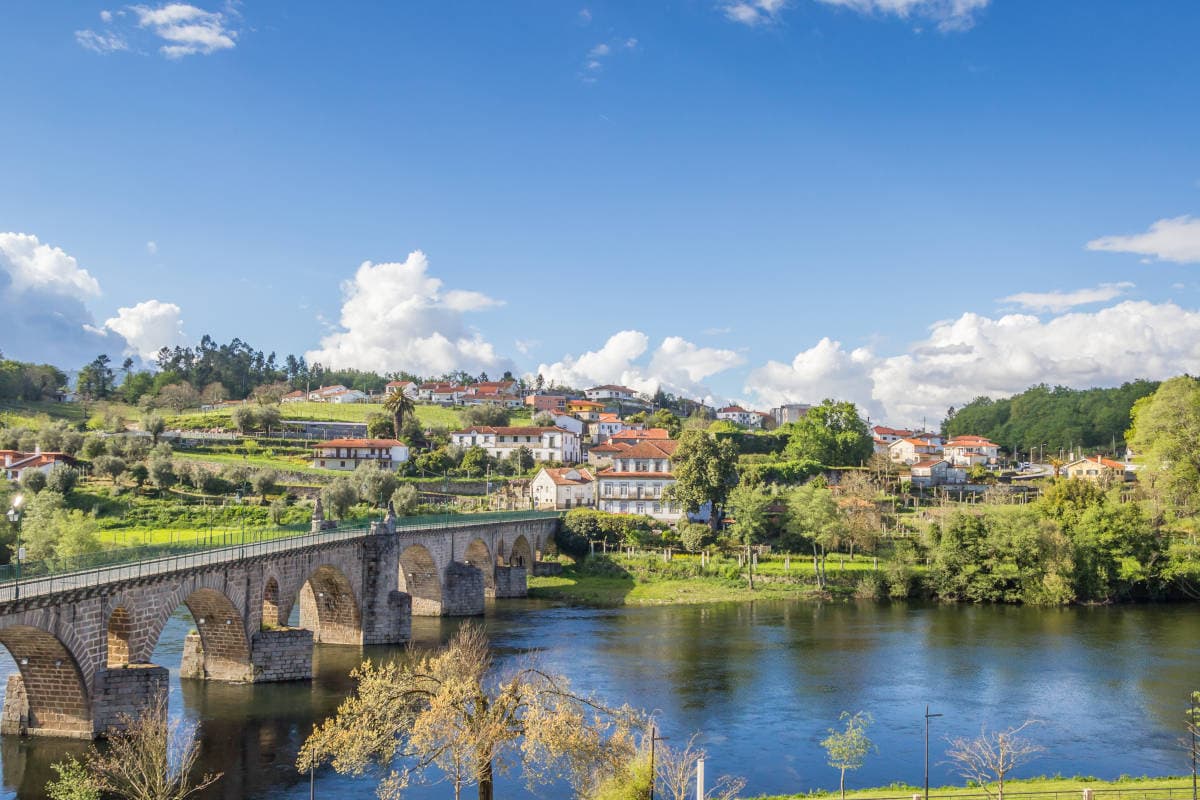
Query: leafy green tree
[138, 473]
[375, 483]
[485, 415]
[749, 506]
[1166, 436]
[62, 479]
[96, 379]
[474, 462]
[154, 425]
[340, 496]
[179, 396]
[813, 517]
[244, 418]
[112, 466]
[162, 474]
[848, 749]
[380, 426]
[406, 498]
[33, 480]
[695, 536]
[521, 460]
[705, 471]
[74, 782]
[832, 433]
[264, 482]
[268, 417]
[94, 446]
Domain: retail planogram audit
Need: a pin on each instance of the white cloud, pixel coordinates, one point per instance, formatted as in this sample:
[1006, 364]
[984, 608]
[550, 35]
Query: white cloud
[188, 30]
[753, 12]
[949, 15]
[395, 316]
[631, 43]
[1058, 301]
[526, 346]
[32, 265]
[147, 327]
[1176, 239]
[977, 355]
[152, 247]
[599, 50]
[585, 16]
[676, 365]
[103, 43]
[106, 16]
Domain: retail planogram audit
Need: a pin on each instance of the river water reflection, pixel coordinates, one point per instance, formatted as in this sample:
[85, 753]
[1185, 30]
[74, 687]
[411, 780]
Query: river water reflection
[762, 682]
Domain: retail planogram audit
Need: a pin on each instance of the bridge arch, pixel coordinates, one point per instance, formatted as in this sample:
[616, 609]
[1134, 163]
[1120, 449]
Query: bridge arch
[420, 577]
[224, 644]
[270, 603]
[521, 554]
[120, 636]
[56, 694]
[329, 607]
[480, 557]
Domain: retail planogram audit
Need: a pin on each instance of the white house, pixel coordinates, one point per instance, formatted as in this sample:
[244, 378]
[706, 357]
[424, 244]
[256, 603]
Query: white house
[320, 394]
[347, 454]
[910, 451]
[546, 443]
[610, 392]
[567, 422]
[17, 463]
[740, 416]
[409, 388]
[501, 399]
[970, 451]
[936, 472]
[563, 487]
[789, 412]
[888, 435]
[346, 396]
[1098, 468]
[635, 482]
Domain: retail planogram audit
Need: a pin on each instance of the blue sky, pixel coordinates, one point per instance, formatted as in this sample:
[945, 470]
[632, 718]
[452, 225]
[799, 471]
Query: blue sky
[767, 200]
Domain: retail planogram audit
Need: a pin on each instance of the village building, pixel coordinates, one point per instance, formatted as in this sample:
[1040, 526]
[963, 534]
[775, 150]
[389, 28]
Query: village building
[563, 488]
[636, 481]
[635, 435]
[586, 410]
[409, 388]
[546, 402]
[789, 412]
[971, 451]
[936, 472]
[910, 451]
[546, 443]
[1098, 469]
[17, 463]
[740, 416]
[610, 392]
[347, 454]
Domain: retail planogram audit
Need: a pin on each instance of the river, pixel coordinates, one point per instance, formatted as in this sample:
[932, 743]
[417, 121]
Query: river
[762, 682]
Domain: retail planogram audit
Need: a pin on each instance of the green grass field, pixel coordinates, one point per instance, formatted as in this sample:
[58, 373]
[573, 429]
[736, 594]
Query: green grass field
[286, 463]
[1055, 788]
[429, 416]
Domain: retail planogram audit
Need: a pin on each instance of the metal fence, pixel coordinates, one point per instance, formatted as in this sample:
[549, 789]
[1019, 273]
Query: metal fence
[1083, 792]
[38, 578]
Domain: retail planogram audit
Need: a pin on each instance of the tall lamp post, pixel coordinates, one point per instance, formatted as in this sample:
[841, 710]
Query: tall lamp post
[14, 516]
[928, 717]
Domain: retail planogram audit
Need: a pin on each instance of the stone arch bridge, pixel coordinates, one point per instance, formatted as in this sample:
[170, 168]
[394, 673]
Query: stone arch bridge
[83, 641]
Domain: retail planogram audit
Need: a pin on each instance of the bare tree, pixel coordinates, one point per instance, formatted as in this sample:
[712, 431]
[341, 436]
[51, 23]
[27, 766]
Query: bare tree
[151, 758]
[676, 770]
[992, 756]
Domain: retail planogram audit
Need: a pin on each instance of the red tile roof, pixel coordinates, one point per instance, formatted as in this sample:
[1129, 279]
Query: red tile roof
[360, 443]
[559, 476]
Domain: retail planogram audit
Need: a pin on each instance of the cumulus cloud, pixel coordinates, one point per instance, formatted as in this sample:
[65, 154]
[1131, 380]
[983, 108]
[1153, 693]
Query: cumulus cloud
[978, 355]
[676, 365]
[948, 15]
[753, 12]
[33, 265]
[395, 316]
[599, 50]
[1176, 240]
[188, 30]
[42, 301]
[102, 43]
[148, 327]
[1058, 301]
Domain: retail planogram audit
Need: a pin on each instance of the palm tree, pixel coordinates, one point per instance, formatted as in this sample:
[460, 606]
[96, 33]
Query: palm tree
[398, 404]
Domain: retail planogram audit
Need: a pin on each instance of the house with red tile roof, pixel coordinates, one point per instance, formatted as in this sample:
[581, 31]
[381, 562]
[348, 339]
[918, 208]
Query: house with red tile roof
[910, 450]
[546, 443]
[610, 391]
[1097, 468]
[936, 472]
[970, 451]
[347, 454]
[637, 479]
[17, 463]
[563, 488]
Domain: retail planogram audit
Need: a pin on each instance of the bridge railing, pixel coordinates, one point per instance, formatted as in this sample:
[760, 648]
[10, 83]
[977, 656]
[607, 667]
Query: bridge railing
[117, 564]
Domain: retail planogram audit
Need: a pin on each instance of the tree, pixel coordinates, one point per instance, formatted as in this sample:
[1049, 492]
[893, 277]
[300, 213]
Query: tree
[848, 749]
[268, 417]
[375, 482]
[813, 515]
[474, 462]
[96, 379]
[94, 446]
[112, 466]
[264, 482]
[214, 393]
[33, 480]
[406, 498]
[154, 425]
[705, 471]
[244, 418]
[694, 536]
[62, 479]
[676, 773]
[446, 710]
[485, 415]
[399, 405]
[150, 757]
[1166, 435]
[138, 473]
[992, 756]
[748, 505]
[179, 396]
[380, 426]
[162, 474]
[521, 460]
[339, 496]
[270, 394]
[832, 433]
[74, 782]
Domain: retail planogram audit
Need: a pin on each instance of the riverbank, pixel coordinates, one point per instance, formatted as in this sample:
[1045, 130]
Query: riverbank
[623, 580]
[1056, 788]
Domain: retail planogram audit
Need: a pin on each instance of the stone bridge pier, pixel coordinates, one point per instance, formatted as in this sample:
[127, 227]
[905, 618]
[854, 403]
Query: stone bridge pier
[83, 643]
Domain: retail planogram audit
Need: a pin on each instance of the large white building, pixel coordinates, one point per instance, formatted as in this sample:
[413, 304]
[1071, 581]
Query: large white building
[910, 451]
[546, 444]
[740, 416]
[970, 451]
[609, 392]
[347, 454]
[635, 482]
[563, 487]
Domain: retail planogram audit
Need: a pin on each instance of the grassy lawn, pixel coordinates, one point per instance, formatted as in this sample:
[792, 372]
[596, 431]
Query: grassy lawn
[1069, 787]
[429, 416]
[288, 463]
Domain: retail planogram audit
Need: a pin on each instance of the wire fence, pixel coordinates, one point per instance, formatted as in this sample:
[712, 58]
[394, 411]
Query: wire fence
[37, 578]
[1083, 792]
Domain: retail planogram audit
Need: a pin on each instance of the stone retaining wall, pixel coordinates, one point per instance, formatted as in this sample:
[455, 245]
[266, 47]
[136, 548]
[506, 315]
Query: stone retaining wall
[282, 654]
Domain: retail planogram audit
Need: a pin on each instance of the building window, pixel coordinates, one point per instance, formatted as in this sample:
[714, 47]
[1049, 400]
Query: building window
[641, 508]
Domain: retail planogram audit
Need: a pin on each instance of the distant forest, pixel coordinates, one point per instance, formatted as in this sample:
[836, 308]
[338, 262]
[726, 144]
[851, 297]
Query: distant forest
[1059, 418]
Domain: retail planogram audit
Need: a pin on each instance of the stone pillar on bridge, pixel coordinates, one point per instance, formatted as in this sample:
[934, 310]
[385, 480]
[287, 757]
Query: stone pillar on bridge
[386, 611]
[462, 591]
[511, 582]
[121, 693]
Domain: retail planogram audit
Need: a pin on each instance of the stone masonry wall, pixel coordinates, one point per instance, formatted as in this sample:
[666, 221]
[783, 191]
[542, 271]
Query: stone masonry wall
[124, 692]
[15, 717]
[462, 592]
[511, 582]
[284, 654]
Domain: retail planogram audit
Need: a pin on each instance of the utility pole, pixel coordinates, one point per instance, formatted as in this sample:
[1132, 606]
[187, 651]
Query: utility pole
[928, 717]
[654, 737]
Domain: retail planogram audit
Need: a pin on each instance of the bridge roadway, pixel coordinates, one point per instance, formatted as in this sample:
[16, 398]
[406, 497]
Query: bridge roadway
[83, 640]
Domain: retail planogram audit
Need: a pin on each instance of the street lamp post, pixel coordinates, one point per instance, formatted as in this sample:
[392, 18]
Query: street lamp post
[928, 717]
[654, 737]
[14, 516]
